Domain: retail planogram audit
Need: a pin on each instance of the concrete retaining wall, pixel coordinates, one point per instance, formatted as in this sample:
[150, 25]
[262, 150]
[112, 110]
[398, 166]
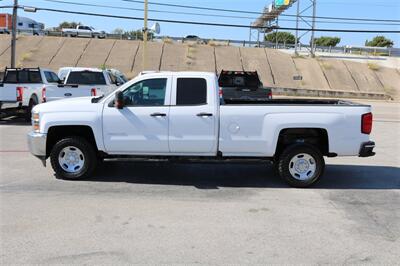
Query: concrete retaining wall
[338, 76]
[255, 59]
[96, 53]
[276, 69]
[122, 55]
[69, 53]
[283, 69]
[154, 52]
[312, 74]
[228, 58]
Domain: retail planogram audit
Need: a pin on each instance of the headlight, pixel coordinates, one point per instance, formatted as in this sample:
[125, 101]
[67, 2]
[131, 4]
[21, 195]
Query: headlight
[36, 122]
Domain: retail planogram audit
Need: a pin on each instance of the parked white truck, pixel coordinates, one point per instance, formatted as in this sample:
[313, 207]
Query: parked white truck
[23, 88]
[98, 81]
[83, 31]
[178, 115]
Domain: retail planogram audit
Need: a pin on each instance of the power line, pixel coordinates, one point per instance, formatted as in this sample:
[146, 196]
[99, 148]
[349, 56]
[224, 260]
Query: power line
[207, 23]
[258, 13]
[207, 15]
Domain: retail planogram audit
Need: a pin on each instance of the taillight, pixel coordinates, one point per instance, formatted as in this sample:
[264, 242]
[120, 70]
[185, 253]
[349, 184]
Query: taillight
[366, 123]
[43, 94]
[220, 93]
[93, 92]
[269, 95]
[20, 93]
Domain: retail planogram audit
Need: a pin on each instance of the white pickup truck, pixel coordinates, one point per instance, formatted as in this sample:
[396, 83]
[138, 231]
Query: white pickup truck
[97, 81]
[83, 31]
[23, 88]
[178, 115]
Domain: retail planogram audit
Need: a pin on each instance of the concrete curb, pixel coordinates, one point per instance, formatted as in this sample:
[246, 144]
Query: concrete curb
[329, 93]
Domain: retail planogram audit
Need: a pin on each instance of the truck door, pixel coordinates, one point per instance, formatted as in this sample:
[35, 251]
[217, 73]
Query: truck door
[141, 127]
[193, 116]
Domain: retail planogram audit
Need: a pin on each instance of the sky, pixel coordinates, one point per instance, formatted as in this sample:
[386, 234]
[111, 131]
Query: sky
[372, 9]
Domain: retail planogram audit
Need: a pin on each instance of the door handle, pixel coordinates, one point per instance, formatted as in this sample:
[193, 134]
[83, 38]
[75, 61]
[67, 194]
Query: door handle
[204, 114]
[158, 114]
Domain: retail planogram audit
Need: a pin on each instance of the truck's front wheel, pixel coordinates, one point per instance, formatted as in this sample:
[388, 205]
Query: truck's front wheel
[301, 165]
[73, 158]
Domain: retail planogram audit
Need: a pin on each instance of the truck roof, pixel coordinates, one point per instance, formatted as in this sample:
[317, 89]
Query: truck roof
[177, 73]
[72, 69]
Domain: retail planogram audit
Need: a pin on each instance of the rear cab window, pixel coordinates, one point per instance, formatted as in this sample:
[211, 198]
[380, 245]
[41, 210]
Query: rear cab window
[23, 76]
[191, 91]
[86, 78]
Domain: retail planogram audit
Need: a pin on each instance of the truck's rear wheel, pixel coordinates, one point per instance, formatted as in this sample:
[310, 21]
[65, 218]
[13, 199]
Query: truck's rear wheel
[28, 114]
[73, 158]
[301, 165]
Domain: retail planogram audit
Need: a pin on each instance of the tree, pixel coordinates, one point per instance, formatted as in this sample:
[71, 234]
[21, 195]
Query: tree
[283, 37]
[138, 34]
[66, 24]
[379, 41]
[327, 41]
[118, 31]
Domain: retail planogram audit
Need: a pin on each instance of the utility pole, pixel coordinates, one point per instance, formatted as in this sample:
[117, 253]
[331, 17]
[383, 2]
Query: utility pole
[297, 28]
[14, 33]
[145, 30]
[314, 2]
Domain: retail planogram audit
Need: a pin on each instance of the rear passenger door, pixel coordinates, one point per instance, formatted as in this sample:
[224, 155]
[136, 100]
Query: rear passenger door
[193, 117]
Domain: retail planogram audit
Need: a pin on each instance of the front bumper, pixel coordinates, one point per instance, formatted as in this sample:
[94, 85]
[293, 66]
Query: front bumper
[366, 149]
[37, 144]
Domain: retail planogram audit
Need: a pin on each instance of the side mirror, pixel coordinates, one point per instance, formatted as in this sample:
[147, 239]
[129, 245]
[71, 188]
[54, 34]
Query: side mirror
[119, 100]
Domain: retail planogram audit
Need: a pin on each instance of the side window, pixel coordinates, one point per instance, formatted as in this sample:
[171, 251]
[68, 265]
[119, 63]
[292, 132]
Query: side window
[112, 78]
[191, 91]
[150, 92]
[51, 77]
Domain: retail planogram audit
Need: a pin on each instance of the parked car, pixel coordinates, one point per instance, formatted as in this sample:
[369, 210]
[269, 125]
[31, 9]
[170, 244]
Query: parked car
[97, 80]
[178, 115]
[83, 31]
[238, 86]
[23, 88]
[193, 38]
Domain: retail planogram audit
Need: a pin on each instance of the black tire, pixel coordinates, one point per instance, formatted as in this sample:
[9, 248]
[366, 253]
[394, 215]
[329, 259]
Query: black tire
[32, 102]
[89, 155]
[295, 152]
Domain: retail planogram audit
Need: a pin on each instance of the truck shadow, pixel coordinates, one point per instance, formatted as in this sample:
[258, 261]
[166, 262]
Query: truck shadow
[214, 176]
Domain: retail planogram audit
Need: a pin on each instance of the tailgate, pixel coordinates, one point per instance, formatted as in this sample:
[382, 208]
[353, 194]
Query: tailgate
[61, 91]
[8, 92]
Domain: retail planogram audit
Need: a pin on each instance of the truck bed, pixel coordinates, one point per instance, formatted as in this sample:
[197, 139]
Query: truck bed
[292, 102]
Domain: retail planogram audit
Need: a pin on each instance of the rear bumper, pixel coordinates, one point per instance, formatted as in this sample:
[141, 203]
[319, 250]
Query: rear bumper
[366, 149]
[37, 144]
[10, 105]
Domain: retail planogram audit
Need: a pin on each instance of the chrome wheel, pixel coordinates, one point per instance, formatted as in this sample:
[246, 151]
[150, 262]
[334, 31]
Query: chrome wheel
[302, 166]
[71, 159]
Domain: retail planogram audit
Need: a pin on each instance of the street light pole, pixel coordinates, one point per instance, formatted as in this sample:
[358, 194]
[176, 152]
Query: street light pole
[14, 33]
[145, 35]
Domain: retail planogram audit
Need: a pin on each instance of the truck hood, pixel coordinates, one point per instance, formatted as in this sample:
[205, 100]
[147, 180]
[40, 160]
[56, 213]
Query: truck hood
[79, 104]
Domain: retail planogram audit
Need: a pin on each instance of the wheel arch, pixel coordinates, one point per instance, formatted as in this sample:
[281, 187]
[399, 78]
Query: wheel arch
[315, 136]
[56, 133]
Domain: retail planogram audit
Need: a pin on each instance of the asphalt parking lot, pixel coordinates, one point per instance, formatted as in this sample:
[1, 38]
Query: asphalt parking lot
[160, 213]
